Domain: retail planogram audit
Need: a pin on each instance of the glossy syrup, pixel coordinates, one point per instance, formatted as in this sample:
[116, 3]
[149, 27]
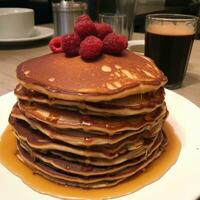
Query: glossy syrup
[152, 173]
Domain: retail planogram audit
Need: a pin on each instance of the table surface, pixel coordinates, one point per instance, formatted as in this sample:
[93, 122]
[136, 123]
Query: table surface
[11, 56]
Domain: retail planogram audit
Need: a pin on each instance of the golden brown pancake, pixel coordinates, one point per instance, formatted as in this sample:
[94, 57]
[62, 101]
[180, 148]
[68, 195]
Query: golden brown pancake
[45, 171]
[109, 77]
[58, 118]
[132, 105]
[51, 171]
[81, 138]
[37, 140]
[81, 168]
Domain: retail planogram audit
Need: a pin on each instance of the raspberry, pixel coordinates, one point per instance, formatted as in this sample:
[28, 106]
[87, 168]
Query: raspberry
[70, 44]
[91, 47]
[85, 28]
[83, 17]
[55, 45]
[114, 43]
[103, 29]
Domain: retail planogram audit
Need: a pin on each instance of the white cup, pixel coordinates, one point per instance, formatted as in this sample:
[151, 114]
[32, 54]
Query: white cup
[16, 23]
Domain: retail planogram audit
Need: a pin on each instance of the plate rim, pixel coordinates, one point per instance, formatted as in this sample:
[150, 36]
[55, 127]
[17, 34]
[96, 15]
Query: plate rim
[33, 38]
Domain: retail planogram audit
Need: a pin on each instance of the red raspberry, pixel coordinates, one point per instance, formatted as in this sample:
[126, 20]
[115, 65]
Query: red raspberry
[83, 17]
[85, 28]
[103, 29]
[91, 47]
[114, 43]
[70, 44]
[55, 45]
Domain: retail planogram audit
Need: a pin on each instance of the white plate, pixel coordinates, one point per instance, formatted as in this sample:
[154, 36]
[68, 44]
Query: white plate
[39, 33]
[181, 182]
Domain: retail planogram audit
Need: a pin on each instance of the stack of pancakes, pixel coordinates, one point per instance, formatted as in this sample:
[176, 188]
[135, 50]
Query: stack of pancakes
[89, 124]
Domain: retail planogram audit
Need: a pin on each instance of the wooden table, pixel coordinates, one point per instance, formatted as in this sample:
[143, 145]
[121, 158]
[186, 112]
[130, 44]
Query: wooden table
[11, 57]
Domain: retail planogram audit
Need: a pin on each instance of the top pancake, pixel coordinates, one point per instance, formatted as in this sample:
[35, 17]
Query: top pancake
[109, 77]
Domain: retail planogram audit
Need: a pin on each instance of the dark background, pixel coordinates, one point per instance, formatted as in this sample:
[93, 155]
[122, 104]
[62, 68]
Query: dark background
[43, 10]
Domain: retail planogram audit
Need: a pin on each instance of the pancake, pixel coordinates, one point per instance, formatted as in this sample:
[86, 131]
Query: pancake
[25, 158]
[79, 137]
[85, 169]
[55, 173]
[68, 119]
[109, 77]
[37, 140]
[132, 105]
[95, 161]
[110, 162]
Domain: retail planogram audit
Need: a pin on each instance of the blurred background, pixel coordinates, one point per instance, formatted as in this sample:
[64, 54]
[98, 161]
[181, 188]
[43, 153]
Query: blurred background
[43, 8]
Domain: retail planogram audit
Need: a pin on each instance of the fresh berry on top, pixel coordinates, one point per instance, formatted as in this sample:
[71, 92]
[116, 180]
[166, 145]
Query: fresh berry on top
[114, 43]
[83, 17]
[97, 38]
[102, 29]
[55, 45]
[70, 44]
[85, 28]
[91, 47]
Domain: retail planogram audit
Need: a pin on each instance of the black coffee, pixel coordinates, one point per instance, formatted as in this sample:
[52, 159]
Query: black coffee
[170, 52]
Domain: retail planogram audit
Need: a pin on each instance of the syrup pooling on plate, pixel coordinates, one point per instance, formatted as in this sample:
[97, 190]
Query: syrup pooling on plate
[152, 173]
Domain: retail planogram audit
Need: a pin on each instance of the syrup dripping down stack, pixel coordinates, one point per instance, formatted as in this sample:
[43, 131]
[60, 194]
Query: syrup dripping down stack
[89, 124]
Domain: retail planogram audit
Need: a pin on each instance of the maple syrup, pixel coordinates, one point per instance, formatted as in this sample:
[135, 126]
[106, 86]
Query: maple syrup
[152, 173]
